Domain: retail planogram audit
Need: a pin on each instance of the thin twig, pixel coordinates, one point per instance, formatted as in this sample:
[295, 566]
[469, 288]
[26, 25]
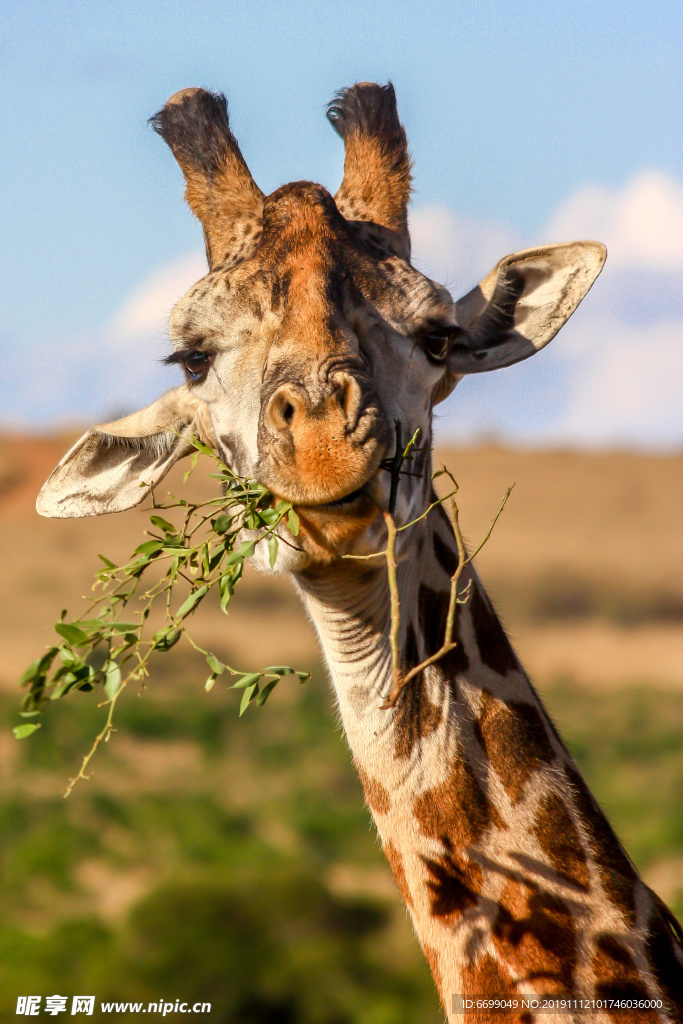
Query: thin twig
[395, 623]
[399, 680]
[103, 735]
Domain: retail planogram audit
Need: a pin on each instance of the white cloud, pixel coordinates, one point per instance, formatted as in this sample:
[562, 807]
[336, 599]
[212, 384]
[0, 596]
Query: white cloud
[145, 314]
[624, 363]
[625, 386]
[97, 378]
[641, 224]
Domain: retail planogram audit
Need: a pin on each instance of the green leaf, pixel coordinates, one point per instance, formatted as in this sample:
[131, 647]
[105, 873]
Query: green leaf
[247, 680]
[112, 679]
[162, 524]
[192, 601]
[201, 447]
[72, 634]
[92, 625]
[109, 565]
[22, 731]
[247, 697]
[293, 522]
[269, 516]
[222, 523]
[208, 685]
[71, 681]
[150, 547]
[245, 550]
[38, 667]
[216, 666]
[172, 545]
[227, 583]
[193, 463]
[68, 657]
[279, 670]
[225, 590]
[303, 676]
[165, 639]
[216, 556]
[266, 692]
[272, 550]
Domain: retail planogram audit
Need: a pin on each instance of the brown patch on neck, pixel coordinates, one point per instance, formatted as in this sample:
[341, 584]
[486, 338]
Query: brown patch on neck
[558, 838]
[416, 717]
[396, 864]
[617, 874]
[454, 884]
[616, 978]
[534, 934]
[495, 649]
[516, 741]
[486, 976]
[458, 811]
[376, 794]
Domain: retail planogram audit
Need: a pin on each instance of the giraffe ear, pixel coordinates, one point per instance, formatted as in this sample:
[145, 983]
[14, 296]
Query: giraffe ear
[114, 465]
[220, 190]
[376, 184]
[520, 307]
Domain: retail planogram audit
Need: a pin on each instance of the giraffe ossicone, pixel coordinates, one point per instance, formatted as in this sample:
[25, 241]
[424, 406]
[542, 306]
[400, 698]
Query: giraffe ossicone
[310, 334]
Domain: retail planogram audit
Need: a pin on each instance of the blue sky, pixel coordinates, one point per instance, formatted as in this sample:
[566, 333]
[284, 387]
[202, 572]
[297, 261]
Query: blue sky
[522, 118]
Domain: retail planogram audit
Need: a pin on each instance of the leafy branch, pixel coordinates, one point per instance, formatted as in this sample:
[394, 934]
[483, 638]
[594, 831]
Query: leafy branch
[110, 644]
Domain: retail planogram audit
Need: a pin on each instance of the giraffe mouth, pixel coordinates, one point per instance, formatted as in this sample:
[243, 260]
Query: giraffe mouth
[346, 501]
[355, 509]
[360, 500]
[329, 529]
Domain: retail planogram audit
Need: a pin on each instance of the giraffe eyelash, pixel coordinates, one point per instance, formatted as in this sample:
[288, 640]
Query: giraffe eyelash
[196, 363]
[438, 341]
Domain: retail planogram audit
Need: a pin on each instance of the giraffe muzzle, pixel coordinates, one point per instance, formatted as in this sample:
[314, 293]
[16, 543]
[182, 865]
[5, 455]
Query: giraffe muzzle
[319, 445]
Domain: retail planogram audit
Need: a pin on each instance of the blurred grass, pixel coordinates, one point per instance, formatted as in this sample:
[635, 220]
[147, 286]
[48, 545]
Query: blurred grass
[253, 862]
[232, 861]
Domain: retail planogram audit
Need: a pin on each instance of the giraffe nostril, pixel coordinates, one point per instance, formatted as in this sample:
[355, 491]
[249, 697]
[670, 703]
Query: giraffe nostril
[349, 396]
[283, 408]
[291, 406]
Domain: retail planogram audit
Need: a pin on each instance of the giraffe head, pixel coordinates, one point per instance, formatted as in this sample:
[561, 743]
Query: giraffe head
[312, 332]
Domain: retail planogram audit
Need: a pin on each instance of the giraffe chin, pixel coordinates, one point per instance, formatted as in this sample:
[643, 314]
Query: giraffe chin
[330, 531]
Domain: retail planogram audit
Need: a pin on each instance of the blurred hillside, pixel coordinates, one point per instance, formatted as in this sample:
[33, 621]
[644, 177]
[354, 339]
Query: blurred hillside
[232, 860]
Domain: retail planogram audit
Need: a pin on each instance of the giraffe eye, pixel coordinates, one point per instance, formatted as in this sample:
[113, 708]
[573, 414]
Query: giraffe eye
[440, 341]
[436, 345]
[197, 365]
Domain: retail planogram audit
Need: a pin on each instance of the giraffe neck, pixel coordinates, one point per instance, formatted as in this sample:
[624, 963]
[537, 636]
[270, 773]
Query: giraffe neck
[513, 877]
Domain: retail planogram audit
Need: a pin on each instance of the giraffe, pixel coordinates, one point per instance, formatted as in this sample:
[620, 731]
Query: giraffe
[310, 333]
